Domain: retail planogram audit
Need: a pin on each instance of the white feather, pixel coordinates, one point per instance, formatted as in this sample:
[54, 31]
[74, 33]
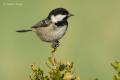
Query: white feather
[57, 18]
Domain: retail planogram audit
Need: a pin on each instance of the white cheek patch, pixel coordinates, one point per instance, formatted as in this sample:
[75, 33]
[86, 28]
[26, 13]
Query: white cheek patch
[57, 18]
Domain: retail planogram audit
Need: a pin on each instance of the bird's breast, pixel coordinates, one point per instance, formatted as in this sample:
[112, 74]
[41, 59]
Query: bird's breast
[51, 33]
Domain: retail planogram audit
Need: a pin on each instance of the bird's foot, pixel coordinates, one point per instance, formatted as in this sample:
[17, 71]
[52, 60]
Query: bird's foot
[54, 45]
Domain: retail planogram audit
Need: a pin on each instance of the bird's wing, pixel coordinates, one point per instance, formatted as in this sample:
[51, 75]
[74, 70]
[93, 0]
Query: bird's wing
[43, 23]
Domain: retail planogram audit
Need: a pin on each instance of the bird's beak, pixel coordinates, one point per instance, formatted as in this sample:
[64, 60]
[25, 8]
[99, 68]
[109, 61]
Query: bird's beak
[70, 15]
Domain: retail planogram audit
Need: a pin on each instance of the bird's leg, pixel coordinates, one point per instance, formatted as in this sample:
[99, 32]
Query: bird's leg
[55, 44]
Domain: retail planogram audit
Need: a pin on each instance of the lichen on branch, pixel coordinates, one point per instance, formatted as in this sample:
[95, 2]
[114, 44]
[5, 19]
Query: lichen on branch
[57, 70]
[116, 66]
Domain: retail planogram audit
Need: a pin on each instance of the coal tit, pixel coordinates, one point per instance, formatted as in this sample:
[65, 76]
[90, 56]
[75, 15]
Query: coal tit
[52, 28]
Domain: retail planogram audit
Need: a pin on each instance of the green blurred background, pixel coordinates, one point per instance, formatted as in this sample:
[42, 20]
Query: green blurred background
[92, 41]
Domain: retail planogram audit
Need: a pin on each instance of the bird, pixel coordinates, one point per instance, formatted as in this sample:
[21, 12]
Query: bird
[52, 28]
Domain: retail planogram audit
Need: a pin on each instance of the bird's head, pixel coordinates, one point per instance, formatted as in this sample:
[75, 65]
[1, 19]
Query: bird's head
[59, 14]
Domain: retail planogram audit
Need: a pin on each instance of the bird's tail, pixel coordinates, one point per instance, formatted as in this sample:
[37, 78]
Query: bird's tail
[24, 30]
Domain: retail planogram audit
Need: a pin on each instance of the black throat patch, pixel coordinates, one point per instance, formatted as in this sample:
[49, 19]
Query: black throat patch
[61, 23]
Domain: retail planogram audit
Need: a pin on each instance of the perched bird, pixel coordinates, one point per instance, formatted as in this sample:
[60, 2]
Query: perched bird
[52, 28]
